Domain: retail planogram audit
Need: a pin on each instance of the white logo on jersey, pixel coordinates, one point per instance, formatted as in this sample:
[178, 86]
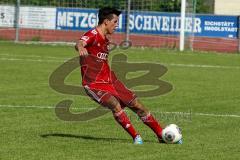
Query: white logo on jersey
[85, 38]
[99, 93]
[102, 55]
[94, 31]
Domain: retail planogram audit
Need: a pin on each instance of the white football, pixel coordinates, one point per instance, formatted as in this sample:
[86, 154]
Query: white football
[171, 134]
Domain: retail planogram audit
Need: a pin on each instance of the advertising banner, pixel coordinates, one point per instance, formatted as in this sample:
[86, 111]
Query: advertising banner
[156, 23]
[151, 23]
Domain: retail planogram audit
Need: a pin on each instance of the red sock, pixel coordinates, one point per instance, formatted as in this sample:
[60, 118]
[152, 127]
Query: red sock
[124, 121]
[153, 124]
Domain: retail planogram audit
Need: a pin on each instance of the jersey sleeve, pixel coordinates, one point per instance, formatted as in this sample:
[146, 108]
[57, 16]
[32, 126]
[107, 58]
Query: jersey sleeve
[89, 37]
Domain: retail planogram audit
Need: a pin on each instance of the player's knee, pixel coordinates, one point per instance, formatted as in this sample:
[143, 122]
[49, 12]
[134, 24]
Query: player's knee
[117, 108]
[136, 104]
[138, 108]
[113, 104]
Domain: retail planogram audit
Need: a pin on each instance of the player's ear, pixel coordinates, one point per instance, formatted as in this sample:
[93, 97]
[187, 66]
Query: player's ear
[106, 21]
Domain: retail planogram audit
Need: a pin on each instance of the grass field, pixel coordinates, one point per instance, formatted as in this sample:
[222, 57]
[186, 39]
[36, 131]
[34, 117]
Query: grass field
[206, 96]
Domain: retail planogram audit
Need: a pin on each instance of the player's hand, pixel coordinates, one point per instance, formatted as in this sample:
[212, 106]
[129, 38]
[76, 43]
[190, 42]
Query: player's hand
[82, 51]
[80, 47]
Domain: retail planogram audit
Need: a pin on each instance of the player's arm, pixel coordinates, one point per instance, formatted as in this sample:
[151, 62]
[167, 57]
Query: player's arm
[80, 47]
[86, 40]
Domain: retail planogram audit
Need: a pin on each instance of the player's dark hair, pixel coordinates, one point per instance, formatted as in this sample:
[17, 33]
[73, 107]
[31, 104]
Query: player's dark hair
[107, 13]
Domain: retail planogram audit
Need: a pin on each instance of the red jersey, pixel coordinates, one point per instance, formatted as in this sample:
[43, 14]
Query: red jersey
[94, 66]
[99, 82]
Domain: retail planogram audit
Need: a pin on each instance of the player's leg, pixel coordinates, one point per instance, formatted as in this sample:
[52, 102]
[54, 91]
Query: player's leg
[107, 100]
[129, 99]
[121, 117]
[146, 117]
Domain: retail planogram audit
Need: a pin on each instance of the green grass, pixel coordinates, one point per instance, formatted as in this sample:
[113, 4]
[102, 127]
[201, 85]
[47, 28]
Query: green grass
[206, 83]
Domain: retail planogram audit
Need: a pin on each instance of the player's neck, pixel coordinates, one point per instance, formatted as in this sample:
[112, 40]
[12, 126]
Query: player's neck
[102, 31]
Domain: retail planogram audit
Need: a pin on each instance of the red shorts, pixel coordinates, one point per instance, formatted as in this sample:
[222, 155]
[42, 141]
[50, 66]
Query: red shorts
[102, 92]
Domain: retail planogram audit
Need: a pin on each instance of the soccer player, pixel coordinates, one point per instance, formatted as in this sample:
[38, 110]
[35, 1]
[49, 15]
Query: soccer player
[101, 84]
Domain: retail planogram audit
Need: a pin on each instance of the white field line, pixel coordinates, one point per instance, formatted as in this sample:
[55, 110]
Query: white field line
[205, 114]
[30, 56]
[41, 107]
[203, 66]
[170, 64]
[30, 60]
[90, 108]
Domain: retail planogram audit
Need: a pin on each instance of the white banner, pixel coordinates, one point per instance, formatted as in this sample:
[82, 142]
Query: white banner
[37, 17]
[30, 17]
[7, 16]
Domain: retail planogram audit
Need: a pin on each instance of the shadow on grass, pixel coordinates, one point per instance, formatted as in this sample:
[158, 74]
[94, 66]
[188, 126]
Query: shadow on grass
[85, 137]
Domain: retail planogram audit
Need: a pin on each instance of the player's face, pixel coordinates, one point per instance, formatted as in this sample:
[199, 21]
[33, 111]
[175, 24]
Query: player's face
[112, 24]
